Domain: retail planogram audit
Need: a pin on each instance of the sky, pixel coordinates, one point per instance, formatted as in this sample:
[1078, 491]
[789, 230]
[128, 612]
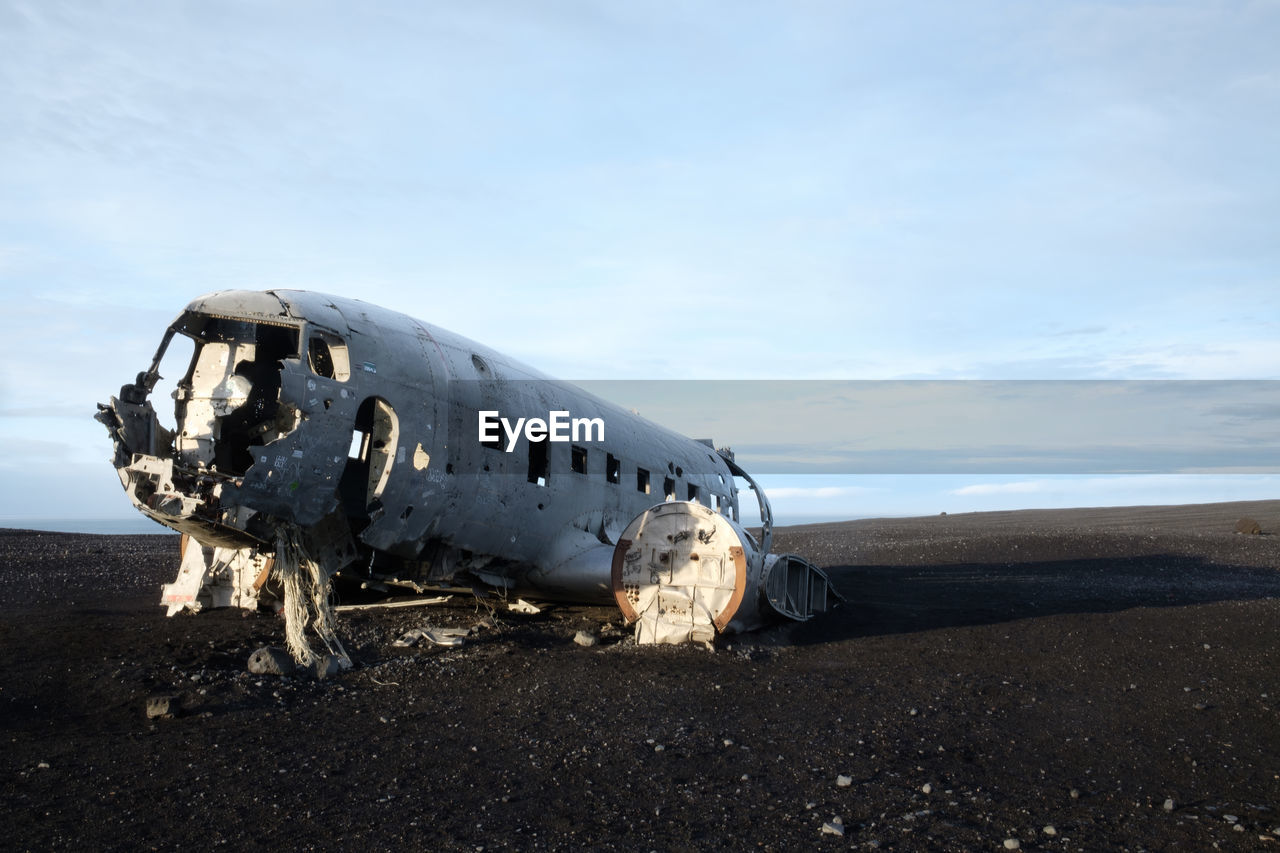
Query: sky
[658, 191]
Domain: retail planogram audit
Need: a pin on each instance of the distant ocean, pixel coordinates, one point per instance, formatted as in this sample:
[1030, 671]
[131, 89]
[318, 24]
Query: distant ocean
[126, 526]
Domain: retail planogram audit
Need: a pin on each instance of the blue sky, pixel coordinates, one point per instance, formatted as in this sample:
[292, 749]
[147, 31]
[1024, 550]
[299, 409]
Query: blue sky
[1002, 190]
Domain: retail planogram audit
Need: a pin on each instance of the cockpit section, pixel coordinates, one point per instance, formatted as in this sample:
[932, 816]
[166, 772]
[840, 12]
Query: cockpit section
[227, 406]
[229, 400]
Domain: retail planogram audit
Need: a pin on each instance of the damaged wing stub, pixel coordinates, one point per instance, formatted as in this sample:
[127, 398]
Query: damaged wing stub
[317, 438]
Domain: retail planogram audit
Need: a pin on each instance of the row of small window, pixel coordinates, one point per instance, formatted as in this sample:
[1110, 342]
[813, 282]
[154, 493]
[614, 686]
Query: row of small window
[540, 469]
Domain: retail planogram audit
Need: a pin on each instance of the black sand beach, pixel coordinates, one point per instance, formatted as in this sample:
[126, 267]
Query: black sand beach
[1067, 680]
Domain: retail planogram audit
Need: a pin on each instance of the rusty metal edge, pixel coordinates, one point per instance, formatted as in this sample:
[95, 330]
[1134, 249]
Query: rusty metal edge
[619, 594]
[739, 588]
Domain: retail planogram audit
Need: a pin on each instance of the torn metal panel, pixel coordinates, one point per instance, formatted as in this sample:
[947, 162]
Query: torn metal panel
[434, 636]
[796, 589]
[346, 435]
[522, 606]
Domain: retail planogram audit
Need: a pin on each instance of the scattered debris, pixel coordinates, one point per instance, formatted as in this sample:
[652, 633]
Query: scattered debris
[392, 605]
[926, 788]
[1168, 804]
[1050, 830]
[835, 826]
[522, 606]
[844, 781]
[1012, 844]
[435, 636]
[159, 707]
[585, 638]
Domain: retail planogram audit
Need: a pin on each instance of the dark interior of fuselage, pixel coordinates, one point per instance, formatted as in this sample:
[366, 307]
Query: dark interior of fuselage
[247, 424]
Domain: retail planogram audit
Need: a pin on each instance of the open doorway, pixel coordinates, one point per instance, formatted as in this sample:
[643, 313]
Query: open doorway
[374, 437]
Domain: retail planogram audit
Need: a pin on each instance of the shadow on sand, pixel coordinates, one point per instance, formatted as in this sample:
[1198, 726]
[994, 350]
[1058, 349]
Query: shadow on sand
[904, 599]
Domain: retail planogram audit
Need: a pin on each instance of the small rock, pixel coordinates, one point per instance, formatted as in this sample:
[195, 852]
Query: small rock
[658, 747]
[327, 665]
[1168, 804]
[1075, 793]
[1248, 526]
[162, 707]
[1230, 818]
[270, 660]
[43, 765]
[727, 742]
[844, 781]
[1012, 844]
[585, 638]
[1050, 830]
[926, 788]
[833, 828]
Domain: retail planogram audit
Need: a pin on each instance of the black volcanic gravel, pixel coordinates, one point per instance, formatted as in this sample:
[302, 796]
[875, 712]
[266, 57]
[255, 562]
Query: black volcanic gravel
[991, 677]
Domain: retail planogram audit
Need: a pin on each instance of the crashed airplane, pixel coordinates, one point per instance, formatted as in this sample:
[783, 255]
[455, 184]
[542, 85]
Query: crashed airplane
[317, 437]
